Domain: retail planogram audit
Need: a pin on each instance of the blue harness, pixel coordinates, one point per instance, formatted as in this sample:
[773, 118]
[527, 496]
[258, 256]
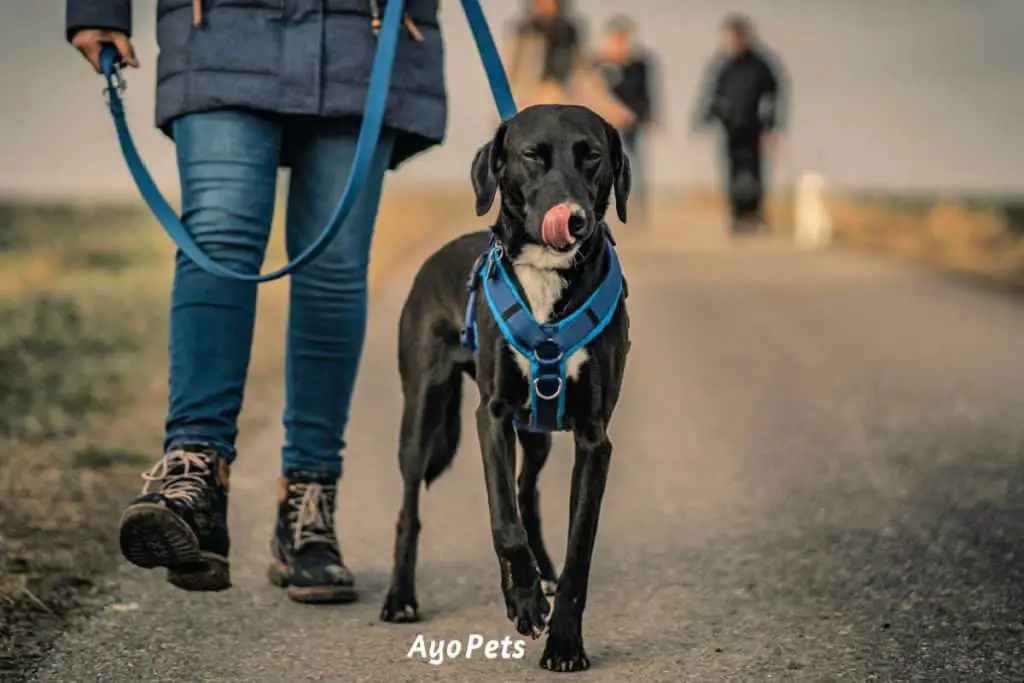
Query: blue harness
[547, 346]
[369, 134]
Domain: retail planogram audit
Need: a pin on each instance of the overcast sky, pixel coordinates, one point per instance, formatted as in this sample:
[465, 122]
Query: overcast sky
[900, 94]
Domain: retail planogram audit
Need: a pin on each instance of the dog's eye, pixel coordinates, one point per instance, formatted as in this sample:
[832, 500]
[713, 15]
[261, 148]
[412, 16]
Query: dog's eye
[593, 156]
[531, 154]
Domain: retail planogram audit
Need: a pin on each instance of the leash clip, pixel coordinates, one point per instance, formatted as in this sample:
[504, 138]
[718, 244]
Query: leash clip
[116, 85]
[497, 252]
[117, 80]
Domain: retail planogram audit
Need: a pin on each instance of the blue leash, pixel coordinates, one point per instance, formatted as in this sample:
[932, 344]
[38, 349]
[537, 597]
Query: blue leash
[369, 135]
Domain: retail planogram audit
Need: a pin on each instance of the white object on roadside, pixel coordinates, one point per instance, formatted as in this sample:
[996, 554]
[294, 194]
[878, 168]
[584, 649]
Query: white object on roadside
[124, 607]
[813, 225]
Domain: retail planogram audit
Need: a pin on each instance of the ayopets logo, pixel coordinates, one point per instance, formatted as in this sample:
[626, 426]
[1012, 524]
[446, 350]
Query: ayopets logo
[437, 652]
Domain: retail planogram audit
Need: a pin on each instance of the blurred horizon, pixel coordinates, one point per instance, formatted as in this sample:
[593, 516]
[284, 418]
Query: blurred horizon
[916, 96]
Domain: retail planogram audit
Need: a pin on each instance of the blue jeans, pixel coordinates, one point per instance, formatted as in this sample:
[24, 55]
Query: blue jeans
[228, 163]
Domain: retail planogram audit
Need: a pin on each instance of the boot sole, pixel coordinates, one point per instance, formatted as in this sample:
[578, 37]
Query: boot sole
[278, 574]
[152, 536]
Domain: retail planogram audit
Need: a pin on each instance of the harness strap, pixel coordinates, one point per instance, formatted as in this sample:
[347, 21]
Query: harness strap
[467, 336]
[547, 347]
[369, 135]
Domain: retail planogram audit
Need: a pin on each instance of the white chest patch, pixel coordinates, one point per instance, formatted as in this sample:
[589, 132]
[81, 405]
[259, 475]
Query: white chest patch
[537, 269]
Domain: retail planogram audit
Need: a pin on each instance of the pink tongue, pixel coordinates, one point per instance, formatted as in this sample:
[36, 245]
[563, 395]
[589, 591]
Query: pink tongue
[555, 228]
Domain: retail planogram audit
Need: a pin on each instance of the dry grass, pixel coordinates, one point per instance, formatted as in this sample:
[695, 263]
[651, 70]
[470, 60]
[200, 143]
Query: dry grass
[83, 323]
[953, 234]
[980, 237]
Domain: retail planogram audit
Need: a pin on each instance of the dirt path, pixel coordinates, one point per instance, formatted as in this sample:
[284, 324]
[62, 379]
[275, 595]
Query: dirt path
[817, 477]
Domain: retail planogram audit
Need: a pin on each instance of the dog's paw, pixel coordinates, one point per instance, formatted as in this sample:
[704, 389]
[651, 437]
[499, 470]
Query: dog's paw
[528, 608]
[399, 609]
[564, 654]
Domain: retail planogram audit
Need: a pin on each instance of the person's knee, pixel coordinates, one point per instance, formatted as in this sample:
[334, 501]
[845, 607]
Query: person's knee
[231, 223]
[342, 267]
[228, 166]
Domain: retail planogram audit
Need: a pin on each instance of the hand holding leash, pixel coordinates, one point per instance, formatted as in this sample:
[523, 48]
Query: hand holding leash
[90, 42]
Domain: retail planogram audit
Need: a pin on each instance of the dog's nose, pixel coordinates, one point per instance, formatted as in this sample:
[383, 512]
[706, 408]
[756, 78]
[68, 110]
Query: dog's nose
[577, 220]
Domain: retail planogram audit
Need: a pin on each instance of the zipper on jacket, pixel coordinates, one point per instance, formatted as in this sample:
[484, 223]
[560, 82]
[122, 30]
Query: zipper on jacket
[375, 22]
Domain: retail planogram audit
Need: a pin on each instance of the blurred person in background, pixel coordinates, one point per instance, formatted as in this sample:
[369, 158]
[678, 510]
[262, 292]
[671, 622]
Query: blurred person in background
[744, 94]
[547, 63]
[629, 73]
[237, 108]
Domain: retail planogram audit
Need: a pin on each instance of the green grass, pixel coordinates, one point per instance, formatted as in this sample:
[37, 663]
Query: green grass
[82, 345]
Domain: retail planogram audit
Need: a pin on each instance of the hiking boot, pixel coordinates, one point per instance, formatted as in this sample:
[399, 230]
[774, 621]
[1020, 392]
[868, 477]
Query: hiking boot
[305, 555]
[179, 521]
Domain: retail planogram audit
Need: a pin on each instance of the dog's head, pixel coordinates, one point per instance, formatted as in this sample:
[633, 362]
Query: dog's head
[557, 167]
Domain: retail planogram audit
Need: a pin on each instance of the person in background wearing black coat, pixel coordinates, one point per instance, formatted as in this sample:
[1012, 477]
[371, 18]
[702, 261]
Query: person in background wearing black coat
[744, 94]
[629, 73]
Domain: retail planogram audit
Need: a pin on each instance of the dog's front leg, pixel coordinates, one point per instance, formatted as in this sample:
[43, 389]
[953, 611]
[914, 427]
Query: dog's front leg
[524, 598]
[564, 649]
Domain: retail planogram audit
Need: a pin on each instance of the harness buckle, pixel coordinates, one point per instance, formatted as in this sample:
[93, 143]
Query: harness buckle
[495, 256]
[476, 274]
[549, 395]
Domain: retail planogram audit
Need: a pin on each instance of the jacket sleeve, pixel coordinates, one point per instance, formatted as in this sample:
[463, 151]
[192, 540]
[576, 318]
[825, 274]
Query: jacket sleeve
[113, 15]
[775, 95]
[651, 94]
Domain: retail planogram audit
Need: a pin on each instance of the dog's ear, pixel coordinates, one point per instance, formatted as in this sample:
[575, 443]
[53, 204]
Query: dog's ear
[487, 165]
[621, 171]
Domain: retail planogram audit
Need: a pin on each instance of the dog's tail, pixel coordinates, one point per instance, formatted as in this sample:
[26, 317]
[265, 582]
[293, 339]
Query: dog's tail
[444, 439]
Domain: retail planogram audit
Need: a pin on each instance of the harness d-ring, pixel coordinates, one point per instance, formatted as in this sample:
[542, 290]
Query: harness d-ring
[547, 360]
[549, 396]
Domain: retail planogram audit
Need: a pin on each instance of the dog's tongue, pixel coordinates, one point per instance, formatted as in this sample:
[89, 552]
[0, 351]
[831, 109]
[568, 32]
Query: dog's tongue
[555, 228]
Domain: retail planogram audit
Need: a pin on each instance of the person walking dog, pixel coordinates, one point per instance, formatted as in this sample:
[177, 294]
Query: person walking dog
[744, 93]
[243, 89]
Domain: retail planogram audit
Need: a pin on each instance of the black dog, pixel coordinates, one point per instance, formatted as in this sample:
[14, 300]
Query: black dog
[556, 167]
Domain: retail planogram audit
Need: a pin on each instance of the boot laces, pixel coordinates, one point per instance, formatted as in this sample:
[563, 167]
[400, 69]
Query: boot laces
[182, 474]
[312, 514]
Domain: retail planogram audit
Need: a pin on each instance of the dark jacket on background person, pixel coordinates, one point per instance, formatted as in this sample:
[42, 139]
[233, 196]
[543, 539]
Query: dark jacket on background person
[631, 83]
[743, 93]
[296, 57]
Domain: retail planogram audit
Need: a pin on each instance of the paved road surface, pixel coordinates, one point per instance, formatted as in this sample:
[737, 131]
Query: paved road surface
[818, 476]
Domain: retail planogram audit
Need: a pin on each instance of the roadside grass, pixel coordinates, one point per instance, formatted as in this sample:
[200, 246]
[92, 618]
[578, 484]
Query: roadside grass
[80, 289]
[983, 236]
[84, 292]
[980, 235]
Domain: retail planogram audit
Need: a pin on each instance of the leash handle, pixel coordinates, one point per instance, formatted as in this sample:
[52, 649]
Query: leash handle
[110, 60]
[366, 145]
